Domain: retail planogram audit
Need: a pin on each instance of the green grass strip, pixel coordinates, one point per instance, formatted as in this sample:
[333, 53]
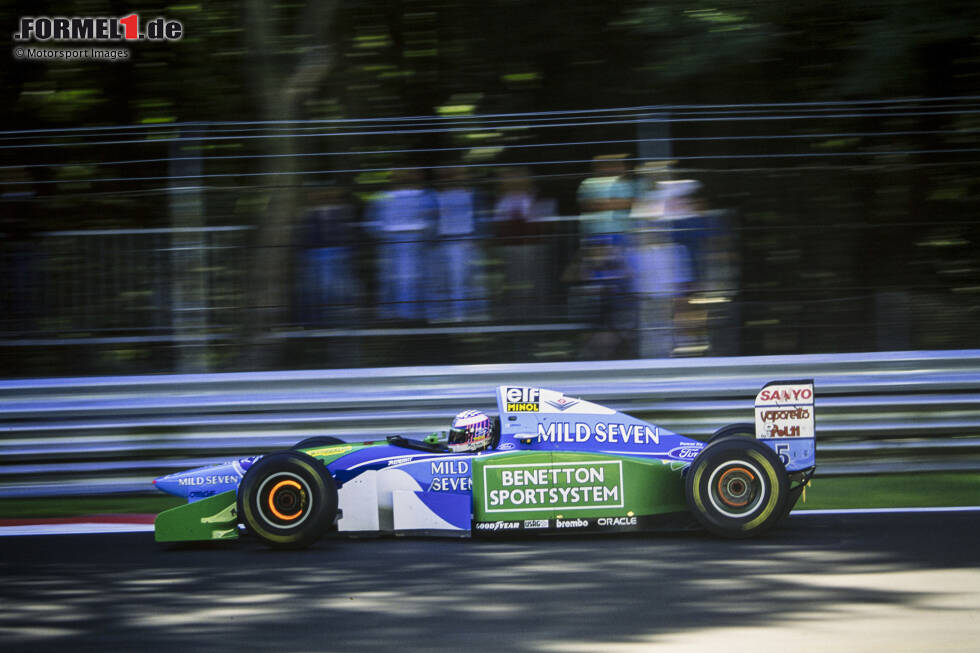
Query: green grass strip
[75, 506]
[892, 491]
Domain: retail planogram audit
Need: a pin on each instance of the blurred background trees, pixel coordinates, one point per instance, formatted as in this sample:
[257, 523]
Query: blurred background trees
[853, 223]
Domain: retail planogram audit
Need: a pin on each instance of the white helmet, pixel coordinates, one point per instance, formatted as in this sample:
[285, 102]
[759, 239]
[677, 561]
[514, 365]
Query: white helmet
[471, 431]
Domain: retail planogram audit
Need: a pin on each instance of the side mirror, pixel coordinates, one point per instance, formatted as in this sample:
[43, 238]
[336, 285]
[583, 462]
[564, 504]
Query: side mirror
[436, 438]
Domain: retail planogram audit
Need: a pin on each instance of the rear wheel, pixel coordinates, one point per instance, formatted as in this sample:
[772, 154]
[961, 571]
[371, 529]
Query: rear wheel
[287, 499]
[737, 488]
[733, 431]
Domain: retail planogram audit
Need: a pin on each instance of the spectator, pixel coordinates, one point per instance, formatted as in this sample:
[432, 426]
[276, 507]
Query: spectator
[330, 287]
[403, 220]
[661, 268]
[525, 255]
[458, 252]
[605, 199]
[689, 224]
[661, 274]
[600, 294]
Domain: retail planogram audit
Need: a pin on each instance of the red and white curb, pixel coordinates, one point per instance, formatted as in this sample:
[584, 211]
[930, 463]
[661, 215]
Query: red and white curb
[90, 524]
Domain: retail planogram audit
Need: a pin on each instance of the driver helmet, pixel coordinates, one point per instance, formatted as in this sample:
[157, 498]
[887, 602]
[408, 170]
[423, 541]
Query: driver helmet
[471, 431]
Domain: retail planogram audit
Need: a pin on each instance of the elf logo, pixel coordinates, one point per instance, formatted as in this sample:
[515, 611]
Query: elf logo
[522, 400]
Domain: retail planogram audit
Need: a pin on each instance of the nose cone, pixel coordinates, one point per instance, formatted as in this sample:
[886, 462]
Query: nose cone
[172, 483]
[203, 482]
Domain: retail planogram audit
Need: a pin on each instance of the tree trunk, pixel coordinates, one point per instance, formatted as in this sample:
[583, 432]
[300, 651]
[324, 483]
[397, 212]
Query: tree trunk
[280, 85]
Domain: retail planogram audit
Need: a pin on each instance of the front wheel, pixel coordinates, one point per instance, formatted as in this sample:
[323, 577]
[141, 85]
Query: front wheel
[317, 441]
[287, 499]
[737, 488]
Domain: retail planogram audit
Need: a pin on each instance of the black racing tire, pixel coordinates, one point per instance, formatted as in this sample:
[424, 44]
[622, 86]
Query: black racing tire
[287, 499]
[317, 441]
[733, 431]
[737, 488]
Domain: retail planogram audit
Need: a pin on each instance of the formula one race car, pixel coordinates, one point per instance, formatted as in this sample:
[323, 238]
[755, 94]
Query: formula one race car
[550, 463]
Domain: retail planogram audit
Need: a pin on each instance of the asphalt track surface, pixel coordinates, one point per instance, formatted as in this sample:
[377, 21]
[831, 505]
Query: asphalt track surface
[880, 582]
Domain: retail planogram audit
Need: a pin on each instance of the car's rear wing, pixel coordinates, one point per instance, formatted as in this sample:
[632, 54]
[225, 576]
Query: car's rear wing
[784, 420]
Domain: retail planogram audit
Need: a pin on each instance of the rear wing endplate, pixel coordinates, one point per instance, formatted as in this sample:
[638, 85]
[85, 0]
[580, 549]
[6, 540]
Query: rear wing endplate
[784, 420]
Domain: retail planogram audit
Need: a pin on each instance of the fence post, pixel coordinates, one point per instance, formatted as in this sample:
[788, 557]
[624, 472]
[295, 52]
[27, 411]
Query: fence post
[189, 297]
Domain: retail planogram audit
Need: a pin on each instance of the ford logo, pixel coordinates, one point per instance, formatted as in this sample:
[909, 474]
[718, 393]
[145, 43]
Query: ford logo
[689, 452]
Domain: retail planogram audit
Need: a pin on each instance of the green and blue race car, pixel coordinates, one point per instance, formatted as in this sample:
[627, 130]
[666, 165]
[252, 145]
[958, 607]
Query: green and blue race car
[547, 463]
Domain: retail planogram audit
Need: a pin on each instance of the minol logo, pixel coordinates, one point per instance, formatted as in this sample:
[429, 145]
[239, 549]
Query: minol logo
[97, 28]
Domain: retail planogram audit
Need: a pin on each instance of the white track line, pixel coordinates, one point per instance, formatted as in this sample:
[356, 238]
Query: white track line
[884, 511]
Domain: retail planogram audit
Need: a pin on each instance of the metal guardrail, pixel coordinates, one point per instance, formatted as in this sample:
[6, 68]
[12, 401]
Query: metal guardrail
[876, 413]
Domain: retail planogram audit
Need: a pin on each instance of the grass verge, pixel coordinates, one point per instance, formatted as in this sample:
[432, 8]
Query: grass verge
[892, 491]
[75, 506]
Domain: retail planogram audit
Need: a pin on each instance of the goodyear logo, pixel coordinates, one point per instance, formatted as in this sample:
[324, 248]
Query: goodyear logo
[522, 407]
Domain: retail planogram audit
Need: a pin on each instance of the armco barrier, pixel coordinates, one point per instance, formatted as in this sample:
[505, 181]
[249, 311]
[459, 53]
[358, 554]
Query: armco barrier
[876, 413]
